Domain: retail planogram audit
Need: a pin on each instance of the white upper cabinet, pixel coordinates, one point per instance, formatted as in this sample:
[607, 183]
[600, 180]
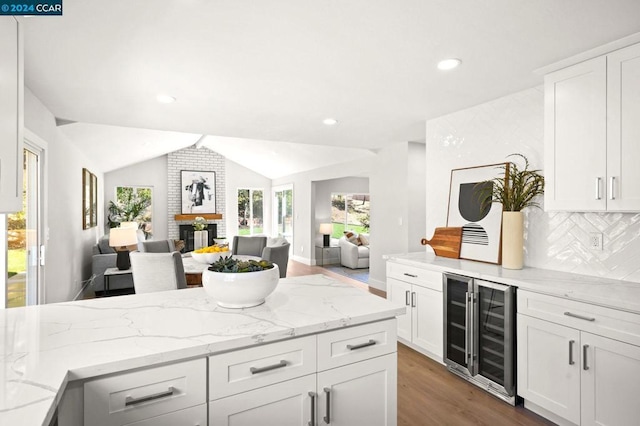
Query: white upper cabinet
[623, 129]
[11, 115]
[591, 139]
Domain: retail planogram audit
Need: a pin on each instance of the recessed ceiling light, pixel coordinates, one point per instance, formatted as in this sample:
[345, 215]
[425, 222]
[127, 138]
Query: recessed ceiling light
[165, 99]
[330, 121]
[449, 64]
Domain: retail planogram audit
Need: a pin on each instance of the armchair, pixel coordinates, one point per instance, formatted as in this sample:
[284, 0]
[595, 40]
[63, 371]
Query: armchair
[352, 255]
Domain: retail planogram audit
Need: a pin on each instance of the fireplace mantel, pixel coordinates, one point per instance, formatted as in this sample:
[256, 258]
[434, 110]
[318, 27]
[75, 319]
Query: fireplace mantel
[209, 216]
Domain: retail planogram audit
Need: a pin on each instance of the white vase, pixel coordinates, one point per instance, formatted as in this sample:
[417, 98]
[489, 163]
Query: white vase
[200, 239]
[512, 240]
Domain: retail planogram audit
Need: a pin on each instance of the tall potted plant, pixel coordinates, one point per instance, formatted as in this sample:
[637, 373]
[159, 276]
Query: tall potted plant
[516, 191]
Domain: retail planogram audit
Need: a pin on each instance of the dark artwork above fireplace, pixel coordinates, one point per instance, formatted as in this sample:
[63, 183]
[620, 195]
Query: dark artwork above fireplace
[186, 235]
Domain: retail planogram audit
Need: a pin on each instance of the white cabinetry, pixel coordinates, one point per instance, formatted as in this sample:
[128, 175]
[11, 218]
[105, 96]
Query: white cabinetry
[134, 397]
[11, 114]
[348, 376]
[578, 362]
[420, 291]
[591, 134]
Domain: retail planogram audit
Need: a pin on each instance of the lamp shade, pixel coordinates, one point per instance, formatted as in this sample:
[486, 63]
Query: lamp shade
[120, 237]
[129, 225]
[326, 228]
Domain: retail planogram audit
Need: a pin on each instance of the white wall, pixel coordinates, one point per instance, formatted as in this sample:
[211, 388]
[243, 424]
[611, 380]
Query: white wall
[324, 189]
[240, 177]
[151, 173]
[397, 188]
[487, 134]
[69, 247]
[304, 202]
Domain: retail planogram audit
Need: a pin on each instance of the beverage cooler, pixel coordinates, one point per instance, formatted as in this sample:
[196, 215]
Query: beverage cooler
[479, 333]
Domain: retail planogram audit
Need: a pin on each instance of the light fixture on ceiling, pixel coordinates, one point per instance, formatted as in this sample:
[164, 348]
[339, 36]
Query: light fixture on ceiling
[330, 121]
[165, 99]
[449, 64]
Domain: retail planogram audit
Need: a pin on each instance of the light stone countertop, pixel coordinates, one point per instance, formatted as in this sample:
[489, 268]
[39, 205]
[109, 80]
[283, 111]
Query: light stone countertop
[622, 295]
[44, 347]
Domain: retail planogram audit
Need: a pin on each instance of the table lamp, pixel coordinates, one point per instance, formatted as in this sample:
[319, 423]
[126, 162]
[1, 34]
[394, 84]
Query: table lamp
[122, 237]
[326, 229]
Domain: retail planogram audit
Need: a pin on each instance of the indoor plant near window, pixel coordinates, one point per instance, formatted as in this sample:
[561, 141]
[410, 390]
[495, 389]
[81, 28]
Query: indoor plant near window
[519, 189]
[236, 283]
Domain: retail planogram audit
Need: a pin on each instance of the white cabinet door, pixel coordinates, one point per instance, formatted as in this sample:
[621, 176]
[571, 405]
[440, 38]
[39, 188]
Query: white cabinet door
[427, 320]
[610, 381]
[399, 292]
[575, 137]
[623, 129]
[11, 115]
[364, 393]
[549, 366]
[283, 404]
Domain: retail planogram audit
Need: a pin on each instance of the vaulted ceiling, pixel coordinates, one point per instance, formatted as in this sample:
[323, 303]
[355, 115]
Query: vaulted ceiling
[268, 72]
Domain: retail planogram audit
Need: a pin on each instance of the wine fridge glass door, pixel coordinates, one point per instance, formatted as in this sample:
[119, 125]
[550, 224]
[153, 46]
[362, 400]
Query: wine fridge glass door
[457, 317]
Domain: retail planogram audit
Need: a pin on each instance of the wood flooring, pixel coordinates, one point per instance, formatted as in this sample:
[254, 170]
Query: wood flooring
[430, 395]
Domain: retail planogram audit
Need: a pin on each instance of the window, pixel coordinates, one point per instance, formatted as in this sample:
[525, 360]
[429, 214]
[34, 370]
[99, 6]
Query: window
[349, 212]
[132, 204]
[250, 211]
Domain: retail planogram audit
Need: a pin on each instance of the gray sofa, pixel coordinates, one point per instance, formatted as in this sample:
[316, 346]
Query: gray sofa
[104, 257]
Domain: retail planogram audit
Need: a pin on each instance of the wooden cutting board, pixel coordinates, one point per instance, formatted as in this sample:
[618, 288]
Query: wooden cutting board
[445, 242]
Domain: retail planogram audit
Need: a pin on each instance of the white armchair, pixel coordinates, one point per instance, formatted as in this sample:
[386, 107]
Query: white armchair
[352, 255]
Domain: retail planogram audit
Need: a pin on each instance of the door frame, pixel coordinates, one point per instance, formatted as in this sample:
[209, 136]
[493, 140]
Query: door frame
[40, 146]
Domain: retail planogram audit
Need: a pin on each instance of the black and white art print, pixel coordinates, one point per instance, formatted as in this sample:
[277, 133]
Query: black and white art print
[198, 191]
[481, 221]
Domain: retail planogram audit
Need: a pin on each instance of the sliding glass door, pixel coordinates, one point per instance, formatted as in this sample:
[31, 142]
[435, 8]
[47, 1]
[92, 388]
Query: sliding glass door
[23, 237]
[283, 212]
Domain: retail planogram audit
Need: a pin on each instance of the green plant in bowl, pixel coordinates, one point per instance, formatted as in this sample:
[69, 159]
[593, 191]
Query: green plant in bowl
[230, 264]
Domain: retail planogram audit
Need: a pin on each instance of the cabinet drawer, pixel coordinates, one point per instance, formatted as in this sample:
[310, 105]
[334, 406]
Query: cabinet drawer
[239, 371]
[353, 344]
[415, 275]
[126, 398]
[194, 416]
[607, 322]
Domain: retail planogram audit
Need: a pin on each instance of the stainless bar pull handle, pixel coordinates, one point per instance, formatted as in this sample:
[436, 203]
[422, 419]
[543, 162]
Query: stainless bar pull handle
[327, 418]
[413, 299]
[406, 297]
[410, 275]
[598, 188]
[612, 196]
[571, 361]
[466, 326]
[256, 370]
[582, 317]
[371, 342]
[584, 357]
[312, 422]
[133, 401]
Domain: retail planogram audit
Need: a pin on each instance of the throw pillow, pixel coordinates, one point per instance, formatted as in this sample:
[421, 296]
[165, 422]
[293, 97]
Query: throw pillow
[363, 240]
[352, 237]
[103, 245]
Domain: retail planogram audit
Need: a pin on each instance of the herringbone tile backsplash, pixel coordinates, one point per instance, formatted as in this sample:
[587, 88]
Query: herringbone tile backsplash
[487, 134]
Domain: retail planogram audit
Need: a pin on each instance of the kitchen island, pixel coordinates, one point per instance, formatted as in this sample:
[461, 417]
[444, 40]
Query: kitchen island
[47, 348]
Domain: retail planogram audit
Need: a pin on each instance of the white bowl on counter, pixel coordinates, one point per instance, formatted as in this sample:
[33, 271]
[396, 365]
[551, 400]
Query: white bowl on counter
[240, 289]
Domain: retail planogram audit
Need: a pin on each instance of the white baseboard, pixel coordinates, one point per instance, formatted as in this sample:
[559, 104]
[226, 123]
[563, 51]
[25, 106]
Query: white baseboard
[377, 284]
[304, 260]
